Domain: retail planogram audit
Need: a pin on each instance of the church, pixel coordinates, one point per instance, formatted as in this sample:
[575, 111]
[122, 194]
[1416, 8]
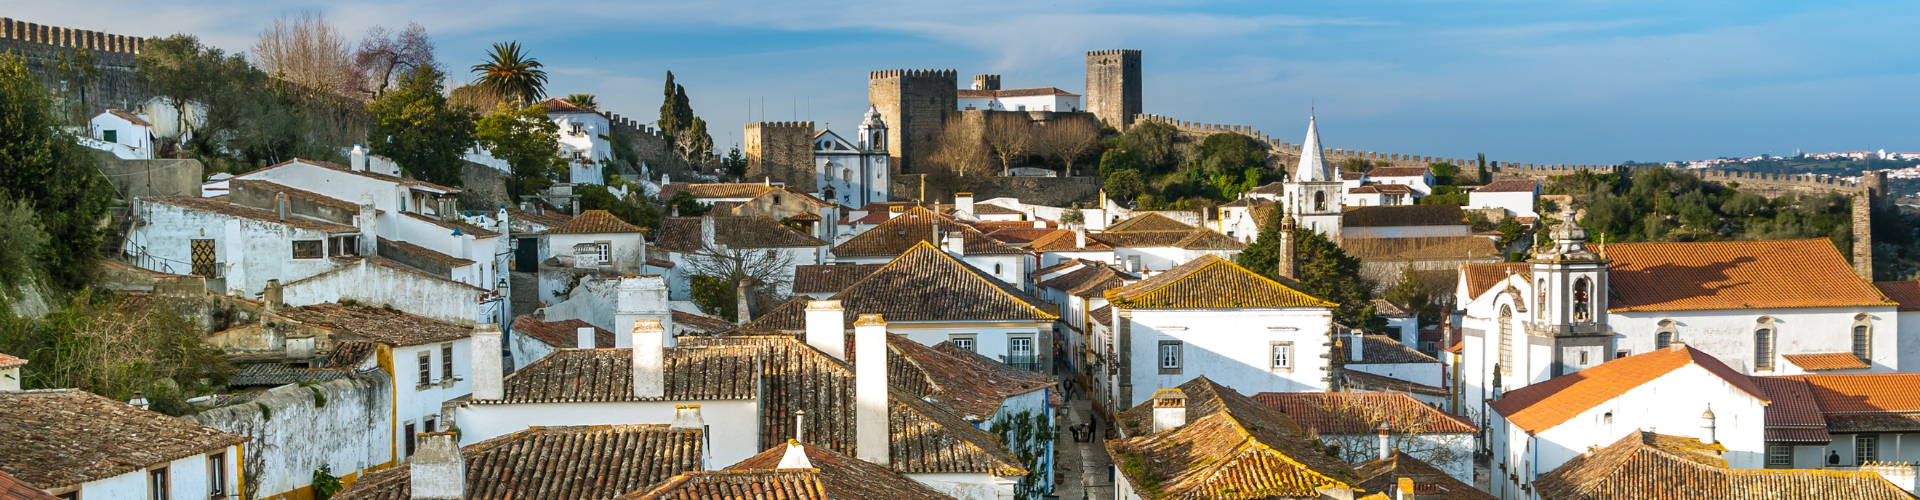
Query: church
[853, 172]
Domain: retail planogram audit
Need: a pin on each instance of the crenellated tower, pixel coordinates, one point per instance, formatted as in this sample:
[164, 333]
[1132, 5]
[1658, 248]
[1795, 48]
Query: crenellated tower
[1113, 86]
[914, 103]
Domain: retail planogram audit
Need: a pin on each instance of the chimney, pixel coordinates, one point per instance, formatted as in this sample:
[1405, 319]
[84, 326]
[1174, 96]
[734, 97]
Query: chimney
[1169, 409]
[438, 471]
[1677, 346]
[1079, 236]
[280, 204]
[1713, 435]
[706, 229]
[649, 359]
[743, 299]
[584, 337]
[871, 436]
[358, 159]
[955, 243]
[1405, 487]
[963, 202]
[1286, 245]
[1385, 451]
[487, 373]
[795, 457]
[272, 296]
[369, 236]
[641, 297]
[1356, 343]
[895, 211]
[687, 417]
[827, 328]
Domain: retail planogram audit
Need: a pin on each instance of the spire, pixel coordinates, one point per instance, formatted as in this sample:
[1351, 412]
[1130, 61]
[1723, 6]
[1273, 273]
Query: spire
[1313, 168]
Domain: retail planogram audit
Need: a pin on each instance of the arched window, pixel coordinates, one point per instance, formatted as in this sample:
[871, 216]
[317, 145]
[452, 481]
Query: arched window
[1506, 339]
[1862, 338]
[1319, 201]
[1540, 305]
[846, 174]
[1763, 348]
[1667, 332]
[1581, 300]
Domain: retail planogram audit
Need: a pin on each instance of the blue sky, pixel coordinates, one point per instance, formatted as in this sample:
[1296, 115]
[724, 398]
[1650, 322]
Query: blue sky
[1528, 81]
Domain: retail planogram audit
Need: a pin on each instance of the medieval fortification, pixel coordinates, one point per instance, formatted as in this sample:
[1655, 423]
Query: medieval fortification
[42, 46]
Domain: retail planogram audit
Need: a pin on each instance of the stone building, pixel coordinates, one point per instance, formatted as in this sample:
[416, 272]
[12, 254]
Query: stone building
[915, 103]
[1113, 86]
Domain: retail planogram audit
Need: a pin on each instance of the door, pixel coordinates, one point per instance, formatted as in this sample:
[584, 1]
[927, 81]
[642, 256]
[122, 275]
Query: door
[526, 255]
[202, 252]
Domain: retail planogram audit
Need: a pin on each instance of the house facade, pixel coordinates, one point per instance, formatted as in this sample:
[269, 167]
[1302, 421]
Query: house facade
[81, 445]
[853, 172]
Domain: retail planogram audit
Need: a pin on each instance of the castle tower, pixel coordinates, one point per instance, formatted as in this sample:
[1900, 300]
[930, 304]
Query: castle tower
[1570, 300]
[1872, 196]
[914, 103]
[1314, 193]
[986, 82]
[1113, 86]
[782, 151]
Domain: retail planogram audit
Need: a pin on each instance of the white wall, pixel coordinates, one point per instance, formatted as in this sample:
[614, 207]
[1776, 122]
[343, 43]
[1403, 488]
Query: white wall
[352, 433]
[734, 425]
[10, 379]
[591, 143]
[1232, 347]
[414, 402]
[414, 293]
[1908, 347]
[164, 244]
[1517, 203]
[991, 338]
[1423, 373]
[1728, 334]
[187, 479]
[967, 486]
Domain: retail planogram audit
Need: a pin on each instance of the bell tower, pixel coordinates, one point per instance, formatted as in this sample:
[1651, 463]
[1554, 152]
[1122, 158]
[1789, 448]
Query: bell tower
[1314, 193]
[1570, 299]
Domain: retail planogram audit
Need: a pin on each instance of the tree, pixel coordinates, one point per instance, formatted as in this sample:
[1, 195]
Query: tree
[1510, 232]
[1410, 292]
[1073, 216]
[523, 137]
[725, 267]
[1263, 255]
[1231, 154]
[693, 144]
[415, 126]
[509, 72]
[21, 250]
[676, 111]
[1327, 272]
[1151, 145]
[1010, 135]
[306, 51]
[957, 152]
[384, 58]
[596, 197]
[46, 169]
[1067, 140]
[109, 346]
[583, 101]
[685, 205]
[1125, 184]
[735, 163]
[179, 70]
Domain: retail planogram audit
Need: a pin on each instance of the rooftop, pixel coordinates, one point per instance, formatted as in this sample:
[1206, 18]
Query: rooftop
[1188, 239]
[968, 384]
[1230, 448]
[1510, 186]
[15, 489]
[378, 324]
[1404, 216]
[594, 222]
[541, 217]
[1031, 92]
[454, 225]
[246, 212]
[1542, 406]
[1211, 282]
[1093, 280]
[1734, 275]
[1422, 248]
[1907, 293]
[1381, 349]
[833, 476]
[401, 181]
[1826, 361]
[563, 334]
[8, 361]
[427, 253]
[1383, 189]
[1363, 412]
[1367, 381]
[1150, 221]
[1645, 465]
[279, 374]
[917, 225]
[715, 191]
[1793, 416]
[924, 284]
[316, 198]
[63, 437]
[1428, 482]
[1483, 277]
[830, 278]
[556, 463]
[1397, 172]
[710, 326]
[682, 234]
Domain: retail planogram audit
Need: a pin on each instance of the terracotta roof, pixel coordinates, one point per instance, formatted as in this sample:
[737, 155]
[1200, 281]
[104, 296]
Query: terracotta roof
[830, 278]
[349, 353]
[833, 477]
[992, 209]
[1734, 275]
[1352, 176]
[682, 234]
[1422, 248]
[279, 374]
[427, 253]
[1542, 406]
[1016, 236]
[556, 463]
[1190, 239]
[711, 191]
[558, 105]
[1397, 172]
[1387, 308]
[1510, 186]
[1363, 412]
[378, 324]
[1483, 277]
[1383, 189]
[606, 375]
[594, 222]
[1824, 361]
[402, 181]
[1063, 240]
[896, 235]
[1103, 315]
[968, 384]
[1644, 465]
[1150, 221]
[1404, 216]
[1907, 293]
[1865, 392]
[711, 326]
[246, 212]
[1270, 188]
[15, 489]
[548, 219]
[1230, 448]
[924, 284]
[316, 198]
[1428, 482]
[129, 117]
[1211, 282]
[990, 225]
[63, 437]
[1793, 416]
[463, 227]
[8, 361]
[1065, 265]
[1371, 382]
[1092, 280]
[788, 318]
[563, 334]
[1032, 92]
[1381, 349]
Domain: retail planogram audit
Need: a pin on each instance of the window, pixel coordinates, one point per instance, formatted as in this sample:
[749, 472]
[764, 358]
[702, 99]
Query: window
[996, 268]
[431, 424]
[1319, 201]
[1663, 340]
[426, 368]
[410, 431]
[1583, 357]
[1622, 353]
[157, 484]
[1133, 263]
[846, 174]
[71, 495]
[1540, 309]
[1282, 355]
[446, 367]
[1862, 342]
[217, 475]
[963, 342]
[346, 246]
[776, 199]
[308, 249]
[1866, 449]
[1506, 339]
[1763, 349]
[1580, 300]
[1170, 357]
[110, 135]
[579, 129]
[1779, 455]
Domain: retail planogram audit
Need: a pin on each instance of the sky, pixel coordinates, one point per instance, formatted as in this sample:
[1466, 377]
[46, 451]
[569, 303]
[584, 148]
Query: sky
[1571, 81]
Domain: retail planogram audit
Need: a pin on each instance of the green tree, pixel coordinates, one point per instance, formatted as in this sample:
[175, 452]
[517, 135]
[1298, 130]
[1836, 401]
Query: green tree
[1125, 184]
[1231, 154]
[596, 197]
[735, 163]
[584, 101]
[48, 171]
[103, 344]
[1443, 173]
[523, 137]
[414, 125]
[1115, 160]
[511, 73]
[1263, 255]
[76, 72]
[1410, 292]
[1510, 231]
[1328, 272]
[1151, 145]
[676, 112]
[25, 244]
[687, 205]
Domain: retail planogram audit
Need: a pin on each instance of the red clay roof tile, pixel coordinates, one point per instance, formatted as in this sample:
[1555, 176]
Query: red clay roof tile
[1542, 406]
[1734, 275]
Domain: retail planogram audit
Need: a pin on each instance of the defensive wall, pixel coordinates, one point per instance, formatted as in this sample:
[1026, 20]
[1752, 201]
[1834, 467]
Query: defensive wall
[914, 103]
[782, 151]
[40, 45]
[1049, 191]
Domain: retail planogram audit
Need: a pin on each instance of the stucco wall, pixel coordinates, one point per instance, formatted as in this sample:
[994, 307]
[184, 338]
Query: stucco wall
[967, 486]
[296, 436]
[1231, 347]
[734, 425]
[414, 402]
[1728, 334]
[411, 293]
[164, 244]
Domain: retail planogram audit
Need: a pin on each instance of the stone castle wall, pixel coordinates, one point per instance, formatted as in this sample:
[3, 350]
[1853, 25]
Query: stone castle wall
[1114, 86]
[39, 45]
[1049, 191]
[650, 144]
[914, 103]
[782, 151]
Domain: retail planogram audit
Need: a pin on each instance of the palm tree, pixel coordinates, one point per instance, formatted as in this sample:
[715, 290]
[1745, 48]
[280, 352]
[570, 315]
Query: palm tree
[584, 101]
[512, 74]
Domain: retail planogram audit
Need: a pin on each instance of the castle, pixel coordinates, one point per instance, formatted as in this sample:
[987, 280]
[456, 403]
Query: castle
[42, 46]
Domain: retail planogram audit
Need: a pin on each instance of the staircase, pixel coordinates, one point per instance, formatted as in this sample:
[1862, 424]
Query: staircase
[113, 243]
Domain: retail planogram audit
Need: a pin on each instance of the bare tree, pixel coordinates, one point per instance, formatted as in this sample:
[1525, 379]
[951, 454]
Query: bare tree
[1406, 433]
[306, 51]
[769, 268]
[960, 149]
[384, 56]
[1067, 140]
[1010, 136]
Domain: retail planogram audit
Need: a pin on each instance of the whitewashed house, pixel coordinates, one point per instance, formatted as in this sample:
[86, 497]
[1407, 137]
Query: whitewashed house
[60, 440]
[429, 361]
[595, 242]
[1841, 421]
[10, 372]
[1351, 421]
[584, 140]
[1031, 99]
[1205, 440]
[1383, 356]
[1382, 195]
[853, 172]
[911, 227]
[1153, 242]
[1242, 219]
[239, 246]
[127, 136]
[1516, 196]
[1419, 179]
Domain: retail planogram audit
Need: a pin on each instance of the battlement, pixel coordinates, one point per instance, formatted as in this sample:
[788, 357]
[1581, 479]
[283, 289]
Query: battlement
[1114, 52]
[624, 124]
[913, 73]
[54, 36]
[806, 126]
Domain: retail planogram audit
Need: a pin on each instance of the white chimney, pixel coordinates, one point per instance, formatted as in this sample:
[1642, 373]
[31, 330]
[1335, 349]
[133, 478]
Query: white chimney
[687, 417]
[1039, 223]
[584, 337]
[706, 229]
[1359, 351]
[1713, 435]
[1169, 409]
[963, 202]
[641, 297]
[488, 380]
[1405, 485]
[795, 457]
[358, 159]
[280, 205]
[1385, 451]
[895, 211]
[956, 244]
[1079, 237]
[827, 328]
[369, 236]
[649, 359]
[871, 435]
[438, 471]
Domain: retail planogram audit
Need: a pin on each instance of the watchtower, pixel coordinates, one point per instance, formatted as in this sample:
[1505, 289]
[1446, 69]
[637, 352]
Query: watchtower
[1113, 86]
[914, 103]
[986, 82]
[780, 150]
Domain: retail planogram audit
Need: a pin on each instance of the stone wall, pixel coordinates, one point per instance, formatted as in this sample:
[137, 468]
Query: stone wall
[115, 87]
[649, 144]
[149, 178]
[782, 151]
[914, 103]
[294, 433]
[1114, 86]
[1049, 191]
[483, 187]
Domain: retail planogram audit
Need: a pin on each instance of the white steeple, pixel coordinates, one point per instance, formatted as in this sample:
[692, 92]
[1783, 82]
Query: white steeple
[873, 131]
[1313, 168]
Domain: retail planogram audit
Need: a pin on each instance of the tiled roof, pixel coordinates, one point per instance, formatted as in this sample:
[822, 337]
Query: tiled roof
[1150, 222]
[349, 353]
[1018, 235]
[63, 437]
[1404, 216]
[833, 477]
[968, 384]
[402, 181]
[711, 191]
[15, 489]
[1062, 240]
[830, 278]
[992, 209]
[129, 117]
[1270, 188]
[1387, 308]
[1824, 361]
[246, 212]
[316, 198]
[8, 361]
[1371, 382]
[564, 334]
[450, 225]
[1091, 281]
[990, 225]
[1351, 176]
[594, 222]
[1423, 248]
[1103, 315]
[926, 284]
[1644, 465]
[1794, 415]
[1865, 392]
[1734, 275]
[558, 105]
[1510, 186]
[1542, 406]
[278, 374]
[1382, 189]
[1483, 277]
[896, 235]
[682, 234]
[711, 326]
[556, 463]
[544, 218]
[1381, 349]
[1188, 239]
[1363, 412]
[1230, 448]
[1065, 265]
[1397, 172]
[1032, 92]
[1211, 282]
[1907, 293]
[606, 375]
[378, 324]
[427, 253]
[789, 317]
[1428, 482]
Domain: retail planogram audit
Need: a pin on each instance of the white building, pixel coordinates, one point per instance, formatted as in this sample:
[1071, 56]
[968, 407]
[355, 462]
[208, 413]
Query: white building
[1416, 221]
[429, 361]
[853, 172]
[128, 136]
[1351, 421]
[583, 140]
[10, 372]
[1841, 421]
[912, 226]
[594, 242]
[691, 241]
[241, 247]
[1314, 194]
[61, 440]
[1382, 195]
[1033, 99]
[1419, 179]
[1153, 242]
[1517, 196]
[1204, 439]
